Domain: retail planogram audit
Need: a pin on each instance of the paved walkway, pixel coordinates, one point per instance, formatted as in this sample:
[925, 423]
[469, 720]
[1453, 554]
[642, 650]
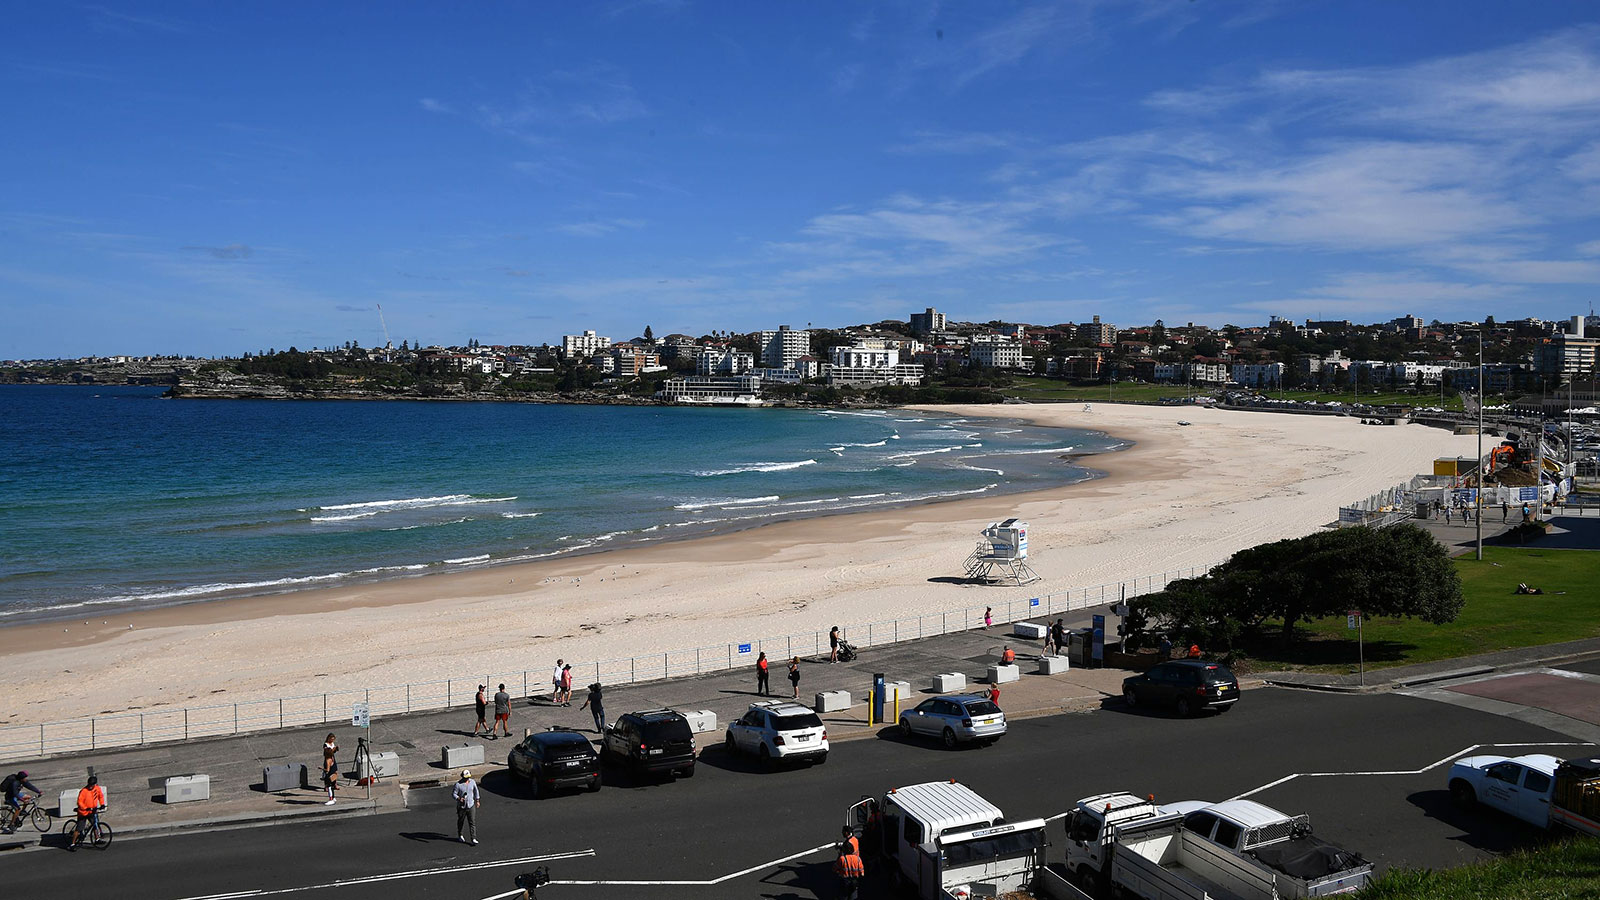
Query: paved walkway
[134, 777]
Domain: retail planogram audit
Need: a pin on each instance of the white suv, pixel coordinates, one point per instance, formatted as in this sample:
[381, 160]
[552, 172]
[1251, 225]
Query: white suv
[778, 729]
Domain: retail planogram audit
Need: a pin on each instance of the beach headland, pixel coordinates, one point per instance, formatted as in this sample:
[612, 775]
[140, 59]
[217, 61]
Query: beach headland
[1178, 497]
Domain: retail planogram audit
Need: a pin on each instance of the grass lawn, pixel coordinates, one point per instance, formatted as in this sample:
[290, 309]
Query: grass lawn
[1567, 870]
[1025, 388]
[1452, 399]
[1494, 618]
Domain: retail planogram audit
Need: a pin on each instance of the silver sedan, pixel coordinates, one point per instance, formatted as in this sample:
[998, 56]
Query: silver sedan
[955, 719]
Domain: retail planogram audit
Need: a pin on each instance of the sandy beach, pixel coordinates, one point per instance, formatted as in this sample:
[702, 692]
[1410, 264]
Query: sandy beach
[1181, 496]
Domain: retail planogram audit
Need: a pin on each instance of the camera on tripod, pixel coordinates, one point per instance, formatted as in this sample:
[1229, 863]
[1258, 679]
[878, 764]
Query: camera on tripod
[532, 881]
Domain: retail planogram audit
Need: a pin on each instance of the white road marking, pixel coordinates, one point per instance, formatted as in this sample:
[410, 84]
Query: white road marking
[728, 877]
[396, 876]
[1434, 765]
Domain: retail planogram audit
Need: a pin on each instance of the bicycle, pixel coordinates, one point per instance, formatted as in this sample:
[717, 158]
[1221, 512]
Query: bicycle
[30, 810]
[98, 833]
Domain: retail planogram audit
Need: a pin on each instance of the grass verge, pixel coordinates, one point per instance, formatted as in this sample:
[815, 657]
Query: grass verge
[1568, 869]
[1026, 388]
[1494, 618]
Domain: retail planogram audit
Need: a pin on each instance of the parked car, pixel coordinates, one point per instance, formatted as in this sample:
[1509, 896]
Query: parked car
[651, 742]
[956, 719]
[560, 757]
[1519, 786]
[1187, 685]
[778, 729]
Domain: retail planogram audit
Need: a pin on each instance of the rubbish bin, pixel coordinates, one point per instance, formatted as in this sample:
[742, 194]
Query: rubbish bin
[879, 693]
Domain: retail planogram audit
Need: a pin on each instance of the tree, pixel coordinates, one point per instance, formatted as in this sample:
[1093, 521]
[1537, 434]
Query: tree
[649, 336]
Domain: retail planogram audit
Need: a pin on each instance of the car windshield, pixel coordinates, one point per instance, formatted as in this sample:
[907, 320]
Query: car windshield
[568, 749]
[981, 708]
[667, 730]
[1218, 674]
[796, 721]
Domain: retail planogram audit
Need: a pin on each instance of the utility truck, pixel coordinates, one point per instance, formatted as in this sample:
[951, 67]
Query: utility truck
[1236, 850]
[1538, 788]
[942, 841]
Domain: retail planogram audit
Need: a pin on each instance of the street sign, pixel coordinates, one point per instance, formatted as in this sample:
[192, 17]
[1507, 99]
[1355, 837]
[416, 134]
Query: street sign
[1034, 602]
[360, 716]
[1350, 622]
[744, 649]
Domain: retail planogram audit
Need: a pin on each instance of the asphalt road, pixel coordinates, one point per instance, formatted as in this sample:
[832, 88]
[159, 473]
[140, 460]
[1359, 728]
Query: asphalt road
[732, 818]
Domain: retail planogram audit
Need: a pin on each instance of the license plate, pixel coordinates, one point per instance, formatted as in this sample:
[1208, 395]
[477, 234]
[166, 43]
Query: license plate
[575, 762]
[654, 752]
[1224, 688]
[988, 722]
[803, 738]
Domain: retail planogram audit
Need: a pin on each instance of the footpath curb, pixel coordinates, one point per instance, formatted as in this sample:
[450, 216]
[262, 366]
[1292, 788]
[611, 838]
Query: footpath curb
[1484, 664]
[37, 841]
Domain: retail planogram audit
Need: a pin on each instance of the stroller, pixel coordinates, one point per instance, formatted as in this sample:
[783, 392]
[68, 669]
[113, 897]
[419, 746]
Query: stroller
[847, 651]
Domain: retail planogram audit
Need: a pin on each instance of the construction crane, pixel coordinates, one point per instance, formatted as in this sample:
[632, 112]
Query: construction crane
[387, 344]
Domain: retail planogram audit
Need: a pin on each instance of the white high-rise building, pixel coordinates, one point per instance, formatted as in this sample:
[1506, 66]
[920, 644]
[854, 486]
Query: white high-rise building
[779, 349]
[995, 354]
[578, 346]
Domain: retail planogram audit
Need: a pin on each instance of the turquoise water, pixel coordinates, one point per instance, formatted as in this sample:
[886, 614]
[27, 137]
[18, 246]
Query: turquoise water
[115, 496]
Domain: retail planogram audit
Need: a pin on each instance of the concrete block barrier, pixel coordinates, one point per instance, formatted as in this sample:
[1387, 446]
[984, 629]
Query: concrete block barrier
[280, 778]
[187, 788]
[454, 756]
[1053, 665]
[384, 765]
[893, 689]
[949, 682]
[1003, 674]
[700, 720]
[832, 701]
[1029, 630]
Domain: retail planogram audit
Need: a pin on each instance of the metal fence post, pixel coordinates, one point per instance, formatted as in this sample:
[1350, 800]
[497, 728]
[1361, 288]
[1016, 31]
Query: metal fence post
[91, 734]
[408, 696]
[324, 709]
[697, 660]
[280, 712]
[141, 728]
[631, 676]
[236, 718]
[663, 665]
[41, 740]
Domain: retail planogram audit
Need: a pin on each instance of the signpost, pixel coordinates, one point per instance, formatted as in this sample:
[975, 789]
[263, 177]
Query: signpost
[1352, 621]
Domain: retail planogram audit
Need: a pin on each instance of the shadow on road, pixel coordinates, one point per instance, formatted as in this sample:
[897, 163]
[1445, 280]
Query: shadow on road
[1483, 829]
[719, 757]
[427, 836]
[803, 881]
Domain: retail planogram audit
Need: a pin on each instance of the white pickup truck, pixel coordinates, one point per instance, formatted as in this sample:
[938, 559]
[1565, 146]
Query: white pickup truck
[1199, 851]
[1538, 789]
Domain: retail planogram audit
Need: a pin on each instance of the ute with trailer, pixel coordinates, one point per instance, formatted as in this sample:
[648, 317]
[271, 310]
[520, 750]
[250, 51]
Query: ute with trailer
[1197, 851]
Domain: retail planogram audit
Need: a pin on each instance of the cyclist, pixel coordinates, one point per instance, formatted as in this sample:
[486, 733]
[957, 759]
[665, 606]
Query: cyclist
[91, 799]
[16, 786]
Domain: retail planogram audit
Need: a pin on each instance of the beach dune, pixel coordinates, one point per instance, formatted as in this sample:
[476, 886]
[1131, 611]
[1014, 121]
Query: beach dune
[1180, 497]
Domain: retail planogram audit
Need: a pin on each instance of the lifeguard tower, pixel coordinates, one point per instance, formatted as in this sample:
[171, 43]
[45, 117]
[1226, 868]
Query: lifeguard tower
[1002, 556]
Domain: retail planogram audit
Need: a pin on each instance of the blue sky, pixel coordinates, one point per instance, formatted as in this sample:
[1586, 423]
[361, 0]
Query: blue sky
[214, 178]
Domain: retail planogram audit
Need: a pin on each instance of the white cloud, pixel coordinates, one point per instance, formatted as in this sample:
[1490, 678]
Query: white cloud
[434, 106]
[597, 227]
[1589, 248]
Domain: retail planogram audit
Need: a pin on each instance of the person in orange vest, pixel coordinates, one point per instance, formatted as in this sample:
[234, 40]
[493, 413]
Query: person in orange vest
[850, 870]
[1008, 657]
[763, 686]
[848, 841]
[1194, 651]
[91, 799]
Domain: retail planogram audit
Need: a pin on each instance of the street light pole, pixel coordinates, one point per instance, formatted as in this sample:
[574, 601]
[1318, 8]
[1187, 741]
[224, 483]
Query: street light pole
[1477, 496]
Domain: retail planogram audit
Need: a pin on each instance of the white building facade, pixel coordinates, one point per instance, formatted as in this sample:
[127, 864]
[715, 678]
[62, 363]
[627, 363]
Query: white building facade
[779, 349]
[578, 346]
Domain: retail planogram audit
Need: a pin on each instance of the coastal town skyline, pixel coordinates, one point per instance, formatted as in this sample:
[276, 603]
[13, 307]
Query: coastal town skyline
[176, 186]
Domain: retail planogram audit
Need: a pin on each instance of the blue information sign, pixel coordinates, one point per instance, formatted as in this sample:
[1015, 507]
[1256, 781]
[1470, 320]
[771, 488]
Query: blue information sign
[1098, 647]
[744, 649]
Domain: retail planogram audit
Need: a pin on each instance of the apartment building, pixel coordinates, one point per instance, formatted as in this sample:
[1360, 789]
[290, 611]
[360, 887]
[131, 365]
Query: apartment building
[779, 349]
[1097, 332]
[578, 346]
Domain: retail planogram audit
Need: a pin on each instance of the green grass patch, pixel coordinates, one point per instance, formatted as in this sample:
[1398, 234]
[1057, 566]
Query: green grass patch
[1493, 618]
[1569, 870]
[1032, 388]
[1381, 397]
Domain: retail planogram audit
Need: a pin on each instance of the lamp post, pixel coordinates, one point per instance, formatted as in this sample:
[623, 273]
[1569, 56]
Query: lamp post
[1477, 496]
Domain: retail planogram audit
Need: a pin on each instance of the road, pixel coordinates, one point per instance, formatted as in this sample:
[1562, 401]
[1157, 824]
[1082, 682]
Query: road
[748, 832]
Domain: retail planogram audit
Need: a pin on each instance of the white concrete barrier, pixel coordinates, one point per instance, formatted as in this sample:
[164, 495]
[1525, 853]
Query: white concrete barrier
[700, 720]
[901, 689]
[832, 701]
[454, 756]
[1003, 674]
[1029, 630]
[187, 788]
[949, 682]
[1053, 665]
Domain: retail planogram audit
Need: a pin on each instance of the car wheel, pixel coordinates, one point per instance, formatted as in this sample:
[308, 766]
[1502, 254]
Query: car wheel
[905, 727]
[688, 772]
[822, 759]
[1463, 795]
[766, 756]
[729, 746]
[949, 738]
[1224, 708]
[1130, 697]
[541, 790]
[1184, 708]
[594, 784]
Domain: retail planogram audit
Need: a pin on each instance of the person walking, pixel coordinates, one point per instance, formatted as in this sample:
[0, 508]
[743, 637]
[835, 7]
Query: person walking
[850, 870]
[1505, 512]
[988, 617]
[481, 703]
[1060, 631]
[330, 766]
[502, 713]
[833, 644]
[794, 676]
[994, 694]
[467, 801]
[595, 704]
[763, 678]
[1447, 514]
[566, 685]
[555, 683]
[1049, 643]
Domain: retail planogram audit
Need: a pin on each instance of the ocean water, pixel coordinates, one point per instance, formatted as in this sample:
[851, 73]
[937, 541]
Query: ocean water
[114, 496]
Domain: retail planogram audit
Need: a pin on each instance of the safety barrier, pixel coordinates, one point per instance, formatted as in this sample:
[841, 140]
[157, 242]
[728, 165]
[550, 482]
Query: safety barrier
[189, 723]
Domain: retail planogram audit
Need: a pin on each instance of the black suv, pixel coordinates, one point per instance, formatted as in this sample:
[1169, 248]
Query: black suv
[1187, 685]
[655, 741]
[560, 757]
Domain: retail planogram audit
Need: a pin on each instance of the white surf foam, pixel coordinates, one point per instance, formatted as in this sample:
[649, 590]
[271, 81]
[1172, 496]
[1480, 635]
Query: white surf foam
[758, 467]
